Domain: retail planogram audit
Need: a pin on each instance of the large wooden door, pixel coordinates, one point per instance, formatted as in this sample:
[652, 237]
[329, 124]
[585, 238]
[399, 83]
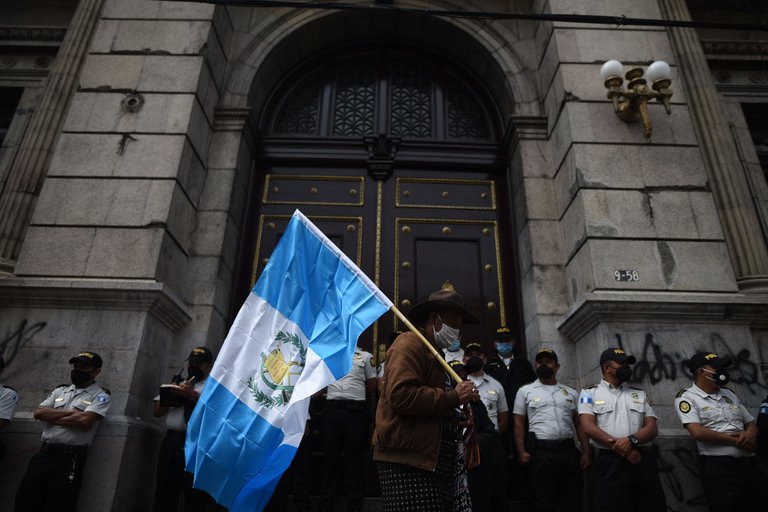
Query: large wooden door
[394, 153]
[409, 233]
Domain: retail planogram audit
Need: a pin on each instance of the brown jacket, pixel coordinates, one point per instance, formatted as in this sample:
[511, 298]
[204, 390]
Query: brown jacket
[412, 406]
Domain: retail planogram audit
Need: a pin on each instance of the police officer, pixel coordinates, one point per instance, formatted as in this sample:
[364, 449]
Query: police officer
[550, 408]
[620, 423]
[491, 391]
[9, 399]
[175, 402]
[512, 369]
[509, 365]
[71, 412]
[725, 434]
[454, 352]
[345, 431]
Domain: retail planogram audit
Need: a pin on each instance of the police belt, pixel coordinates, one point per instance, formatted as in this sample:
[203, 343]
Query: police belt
[63, 449]
[351, 405]
[561, 444]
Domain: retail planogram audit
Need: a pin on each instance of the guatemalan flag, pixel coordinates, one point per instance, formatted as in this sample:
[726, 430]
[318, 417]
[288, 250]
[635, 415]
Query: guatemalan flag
[295, 334]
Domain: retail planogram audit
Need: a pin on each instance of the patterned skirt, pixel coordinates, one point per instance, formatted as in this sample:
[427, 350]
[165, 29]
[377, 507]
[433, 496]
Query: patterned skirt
[408, 489]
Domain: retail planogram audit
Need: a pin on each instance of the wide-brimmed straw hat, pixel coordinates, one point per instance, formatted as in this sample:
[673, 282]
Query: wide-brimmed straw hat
[447, 298]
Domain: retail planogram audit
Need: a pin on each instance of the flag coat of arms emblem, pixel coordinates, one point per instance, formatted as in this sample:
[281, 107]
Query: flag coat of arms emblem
[295, 334]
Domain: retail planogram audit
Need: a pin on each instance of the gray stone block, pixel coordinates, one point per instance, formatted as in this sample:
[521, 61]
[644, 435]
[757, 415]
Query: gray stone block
[661, 265]
[151, 9]
[128, 253]
[627, 167]
[218, 190]
[596, 122]
[159, 37]
[44, 250]
[103, 202]
[540, 199]
[112, 72]
[546, 248]
[679, 214]
[101, 112]
[590, 46]
[628, 8]
[177, 73]
[208, 238]
[543, 292]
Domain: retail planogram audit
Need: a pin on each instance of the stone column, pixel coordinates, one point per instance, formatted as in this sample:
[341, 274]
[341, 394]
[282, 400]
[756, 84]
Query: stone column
[30, 167]
[730, 189]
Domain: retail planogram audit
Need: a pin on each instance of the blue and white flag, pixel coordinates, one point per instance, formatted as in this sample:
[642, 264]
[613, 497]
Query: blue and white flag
[295, 334]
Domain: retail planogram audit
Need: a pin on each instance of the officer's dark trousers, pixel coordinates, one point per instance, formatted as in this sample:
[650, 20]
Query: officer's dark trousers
[557, 478]
[345, 435]
[625, 487]
[302, 474]
[173, 480]
[733, 484]
[52, 481]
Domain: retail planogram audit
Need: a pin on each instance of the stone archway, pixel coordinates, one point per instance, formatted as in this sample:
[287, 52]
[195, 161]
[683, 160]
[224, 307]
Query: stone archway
[281, 41]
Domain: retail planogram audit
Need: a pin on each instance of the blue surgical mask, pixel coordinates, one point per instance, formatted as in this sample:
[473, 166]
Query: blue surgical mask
[504, 349]
[453, 347]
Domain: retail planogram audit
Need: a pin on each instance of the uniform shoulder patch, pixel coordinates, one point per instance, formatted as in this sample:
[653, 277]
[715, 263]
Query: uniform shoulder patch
[9, 387]
[636, 388]
[63, 386]
[680, 393]
[106, 390]
[684, 406]
[593, 386]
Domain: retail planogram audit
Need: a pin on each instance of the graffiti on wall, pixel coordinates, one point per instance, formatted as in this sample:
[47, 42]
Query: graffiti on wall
[13, 340]
[657, 363]
[675, 467]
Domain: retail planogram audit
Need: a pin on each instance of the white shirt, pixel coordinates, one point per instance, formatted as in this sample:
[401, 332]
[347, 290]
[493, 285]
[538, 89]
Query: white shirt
[9, 400]
[721, 411]
[549, 409]
[458, 355]
[618, 411]
[94, 398]
[492, 395]
[174, 418]
[352, 385]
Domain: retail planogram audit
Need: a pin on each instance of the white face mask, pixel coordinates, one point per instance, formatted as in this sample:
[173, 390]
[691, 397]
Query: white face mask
[446, 336]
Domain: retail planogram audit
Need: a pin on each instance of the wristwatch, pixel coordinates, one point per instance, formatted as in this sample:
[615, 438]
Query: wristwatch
[635, 441]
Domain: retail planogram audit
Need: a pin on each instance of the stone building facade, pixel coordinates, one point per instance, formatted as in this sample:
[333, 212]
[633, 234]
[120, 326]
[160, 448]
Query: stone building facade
[153, 150]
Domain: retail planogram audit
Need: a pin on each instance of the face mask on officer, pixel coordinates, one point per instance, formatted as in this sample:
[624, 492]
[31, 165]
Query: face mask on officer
[453, 347]
[545, 372]
[196, 372]
[79, 377]
[719, 377]
[446, 336]
[473, 365]
[504, 349]
[624, 373]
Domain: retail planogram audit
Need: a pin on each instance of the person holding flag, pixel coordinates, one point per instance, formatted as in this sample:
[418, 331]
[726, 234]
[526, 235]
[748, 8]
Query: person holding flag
[416, 436]
[295, 334]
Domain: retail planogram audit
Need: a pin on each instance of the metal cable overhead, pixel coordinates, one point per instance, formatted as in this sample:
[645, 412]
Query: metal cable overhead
[616, 21]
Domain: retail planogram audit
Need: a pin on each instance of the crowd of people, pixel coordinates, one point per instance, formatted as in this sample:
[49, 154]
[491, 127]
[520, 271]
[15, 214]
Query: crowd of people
[455, 435]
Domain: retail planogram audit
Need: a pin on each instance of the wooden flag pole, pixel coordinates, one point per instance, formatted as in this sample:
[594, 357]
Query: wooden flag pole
[432, 349]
